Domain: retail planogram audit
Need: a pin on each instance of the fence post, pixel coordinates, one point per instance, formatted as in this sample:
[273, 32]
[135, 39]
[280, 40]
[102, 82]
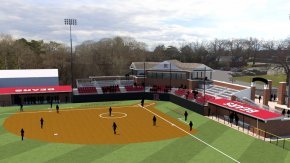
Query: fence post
[277, 141]
[264, 135]
[283, 143]
[259, 133]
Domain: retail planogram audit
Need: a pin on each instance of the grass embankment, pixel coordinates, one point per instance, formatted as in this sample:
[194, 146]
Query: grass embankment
[275, 78]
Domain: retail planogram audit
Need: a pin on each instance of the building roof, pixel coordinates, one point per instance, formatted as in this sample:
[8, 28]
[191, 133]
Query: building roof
[246, 109]
[174, 63]
[36, 89]
[29, 73]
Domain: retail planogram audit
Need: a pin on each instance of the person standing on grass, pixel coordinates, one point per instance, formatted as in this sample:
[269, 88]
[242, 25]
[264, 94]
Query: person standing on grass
[51, 103]
[57, 108]
[154, 120]
[41, 122]
[185, 115]
[21, 107]
[114, 127]
[190, 126]
[110, 111]
[22, 134]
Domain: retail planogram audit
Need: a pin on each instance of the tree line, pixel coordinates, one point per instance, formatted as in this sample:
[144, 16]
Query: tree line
[113, 56]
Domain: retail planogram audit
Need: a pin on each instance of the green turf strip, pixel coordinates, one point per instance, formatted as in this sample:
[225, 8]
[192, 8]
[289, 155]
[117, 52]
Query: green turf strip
[12, 149]
[86, 153]
[287, 159]
[184, 149]
[135, 152]
[42, 153]
[231, 142]
[210, 131]
[209, 155]
[2, 129]
[12, 109]
[181, 150]
[260, 151]
[8, 138]
[177, 112]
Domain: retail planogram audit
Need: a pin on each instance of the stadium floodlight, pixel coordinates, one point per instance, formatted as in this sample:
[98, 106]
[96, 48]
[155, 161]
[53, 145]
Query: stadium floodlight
[71, 22]
[204, 82]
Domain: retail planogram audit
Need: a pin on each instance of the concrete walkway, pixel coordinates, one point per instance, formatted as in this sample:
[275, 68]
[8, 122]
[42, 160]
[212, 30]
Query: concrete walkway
[224, 76]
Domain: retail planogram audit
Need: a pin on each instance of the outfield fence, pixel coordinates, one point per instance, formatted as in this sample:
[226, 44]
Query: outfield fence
[279, 141]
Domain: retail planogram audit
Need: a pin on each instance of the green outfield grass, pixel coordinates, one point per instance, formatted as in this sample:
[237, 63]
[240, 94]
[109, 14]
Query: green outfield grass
[275, 78]
[233, 143]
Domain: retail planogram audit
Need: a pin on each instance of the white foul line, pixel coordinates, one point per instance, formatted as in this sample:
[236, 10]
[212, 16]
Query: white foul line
[191, 135]
[181, 119]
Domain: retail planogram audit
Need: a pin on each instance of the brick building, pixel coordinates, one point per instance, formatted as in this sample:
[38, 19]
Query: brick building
[171, 73]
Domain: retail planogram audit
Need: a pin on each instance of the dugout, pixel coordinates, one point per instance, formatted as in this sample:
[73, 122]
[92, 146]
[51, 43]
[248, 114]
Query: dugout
[249, 117]
[32, 86]
[34, 95]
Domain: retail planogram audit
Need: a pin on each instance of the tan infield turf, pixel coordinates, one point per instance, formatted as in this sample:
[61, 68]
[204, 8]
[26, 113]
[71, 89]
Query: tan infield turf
[94, 125]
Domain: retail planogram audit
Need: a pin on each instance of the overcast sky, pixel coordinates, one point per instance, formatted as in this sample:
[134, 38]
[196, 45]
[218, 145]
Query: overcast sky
[151, 21]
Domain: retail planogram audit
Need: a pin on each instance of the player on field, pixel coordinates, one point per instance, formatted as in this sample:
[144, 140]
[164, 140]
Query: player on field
[41, 122]
[22, 134]
[21, 107]
[114, 127]
[154, 120]
[57, 108]
[185, 115]
[142, 102]
[190, 125]
[110, 111]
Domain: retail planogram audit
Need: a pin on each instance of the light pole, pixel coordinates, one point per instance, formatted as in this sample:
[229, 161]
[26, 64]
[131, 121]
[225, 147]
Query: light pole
[70, 22]
[288, 95]
[204, 86]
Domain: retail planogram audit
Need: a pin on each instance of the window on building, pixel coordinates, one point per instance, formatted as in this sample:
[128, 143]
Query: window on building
[166, 75]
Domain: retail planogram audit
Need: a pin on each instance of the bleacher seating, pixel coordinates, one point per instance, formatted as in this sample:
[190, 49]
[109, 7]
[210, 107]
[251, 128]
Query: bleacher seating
[131, 88]
[203, 99]
[87, 90]
[180, 92]
[160, 89]
[221, 92]
[111, 89]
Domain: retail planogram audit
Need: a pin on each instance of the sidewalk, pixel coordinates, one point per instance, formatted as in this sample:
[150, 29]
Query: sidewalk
[272, 105]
